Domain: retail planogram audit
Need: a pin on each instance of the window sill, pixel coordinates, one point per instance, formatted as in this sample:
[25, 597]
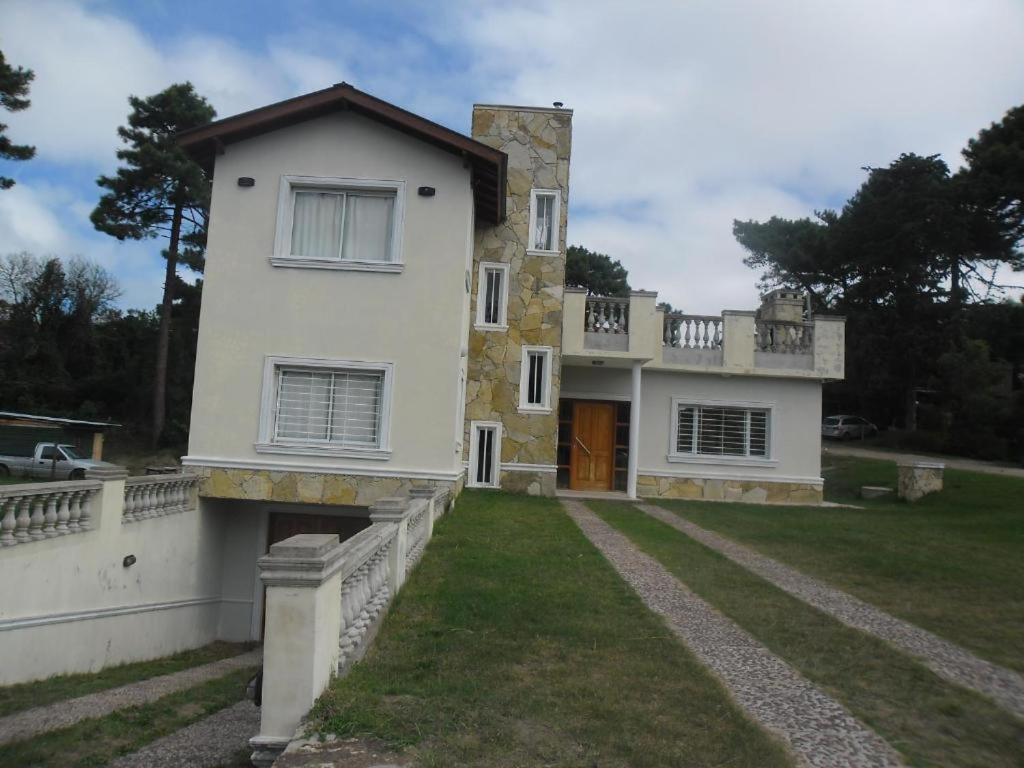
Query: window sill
[736, 461]
[539, 252]
[488, 327]
[373, 454]
[533, 409]
[346, 266]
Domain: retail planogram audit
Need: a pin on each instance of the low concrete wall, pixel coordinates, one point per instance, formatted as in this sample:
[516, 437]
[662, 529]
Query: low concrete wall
[71, 604]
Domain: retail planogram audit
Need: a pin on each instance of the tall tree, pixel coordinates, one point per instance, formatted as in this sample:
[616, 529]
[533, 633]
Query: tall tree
[599, 273]
[14, 83]
[160, 192]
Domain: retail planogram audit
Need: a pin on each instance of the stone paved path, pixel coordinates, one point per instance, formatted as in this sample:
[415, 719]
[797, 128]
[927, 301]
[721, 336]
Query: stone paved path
[32, 722]
[950, 661]
[207, 743]
[819, 731]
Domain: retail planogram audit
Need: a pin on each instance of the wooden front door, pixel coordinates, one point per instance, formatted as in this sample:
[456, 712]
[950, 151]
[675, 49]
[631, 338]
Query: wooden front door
[592, 457]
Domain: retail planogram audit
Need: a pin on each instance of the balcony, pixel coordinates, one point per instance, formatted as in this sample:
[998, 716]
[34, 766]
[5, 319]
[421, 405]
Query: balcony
[775, 340]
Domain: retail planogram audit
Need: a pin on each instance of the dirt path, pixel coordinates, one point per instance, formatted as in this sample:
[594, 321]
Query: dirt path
[970, 465]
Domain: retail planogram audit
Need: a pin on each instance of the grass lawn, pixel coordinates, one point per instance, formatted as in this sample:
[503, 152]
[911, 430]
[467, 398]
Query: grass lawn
[930, 721]
[952, 563]
[14, 698]
[516, 644]
[96, 742]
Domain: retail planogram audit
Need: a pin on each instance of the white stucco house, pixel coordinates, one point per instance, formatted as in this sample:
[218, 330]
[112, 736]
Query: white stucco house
[384, 306]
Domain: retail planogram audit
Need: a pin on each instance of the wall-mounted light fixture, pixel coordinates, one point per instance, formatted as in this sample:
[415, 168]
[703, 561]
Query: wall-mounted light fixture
[426, 191]
[129, 561]
[246, 181]
[597, 362]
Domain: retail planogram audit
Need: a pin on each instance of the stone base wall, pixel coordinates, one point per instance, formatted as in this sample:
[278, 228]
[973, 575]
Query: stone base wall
[754, 491]
[530, 483]
[919, 479]
[308, 487]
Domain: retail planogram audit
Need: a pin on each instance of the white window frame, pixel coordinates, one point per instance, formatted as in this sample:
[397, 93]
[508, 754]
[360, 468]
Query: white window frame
[282, 256]
[481, 282]
[524, 374]
[267, 443]
[474, 440]
[556, 212]
[701, 458]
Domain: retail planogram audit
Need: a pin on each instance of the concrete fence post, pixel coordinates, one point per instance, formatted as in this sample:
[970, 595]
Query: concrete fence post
[300, 646]
[393, 510]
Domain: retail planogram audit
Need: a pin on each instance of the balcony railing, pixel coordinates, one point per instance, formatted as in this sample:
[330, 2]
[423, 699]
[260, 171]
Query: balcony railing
[37, 511]
[692, 331]
[784, 338]
[606, 314]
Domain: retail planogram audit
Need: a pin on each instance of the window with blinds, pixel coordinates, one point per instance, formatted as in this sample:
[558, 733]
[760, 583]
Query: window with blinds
[344, 225]
[492, 297]
[535, 378]
[722, 431]
[336, 407]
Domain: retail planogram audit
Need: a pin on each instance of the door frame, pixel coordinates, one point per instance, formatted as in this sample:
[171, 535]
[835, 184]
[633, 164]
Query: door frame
[573, 452]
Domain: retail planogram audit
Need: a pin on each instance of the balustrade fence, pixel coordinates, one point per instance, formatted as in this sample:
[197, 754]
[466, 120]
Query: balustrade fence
[783, 337]
[157, 496]
[607, 315]
[692, 331]
[35, 511]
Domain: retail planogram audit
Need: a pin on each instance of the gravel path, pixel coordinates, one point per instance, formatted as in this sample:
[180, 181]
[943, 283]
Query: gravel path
[819, 730]
[1004, 686]
[951, 462]
[32, 722]
[207, 743]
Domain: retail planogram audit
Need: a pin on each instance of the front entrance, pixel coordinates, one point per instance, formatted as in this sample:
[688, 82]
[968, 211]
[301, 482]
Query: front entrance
[592, 451]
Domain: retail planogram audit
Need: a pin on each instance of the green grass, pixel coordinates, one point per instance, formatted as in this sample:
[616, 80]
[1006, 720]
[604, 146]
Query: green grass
[952, 562]
[516, 644]
[930, 721]
[92, 743]
[14, 698]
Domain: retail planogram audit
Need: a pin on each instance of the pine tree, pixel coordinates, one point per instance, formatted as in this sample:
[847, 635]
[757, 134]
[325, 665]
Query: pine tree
[13, 90]
[160, 192]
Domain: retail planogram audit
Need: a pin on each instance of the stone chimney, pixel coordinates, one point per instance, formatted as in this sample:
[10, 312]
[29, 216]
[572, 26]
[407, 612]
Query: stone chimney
[538, 143]
[782, 305]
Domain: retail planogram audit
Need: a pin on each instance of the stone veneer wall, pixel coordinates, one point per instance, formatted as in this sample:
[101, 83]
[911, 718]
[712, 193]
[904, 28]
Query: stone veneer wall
[307, 487]
[538, 145]
[755, 491]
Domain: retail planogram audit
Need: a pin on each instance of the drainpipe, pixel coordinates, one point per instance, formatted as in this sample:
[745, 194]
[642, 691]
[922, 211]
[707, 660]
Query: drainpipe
[634, 431]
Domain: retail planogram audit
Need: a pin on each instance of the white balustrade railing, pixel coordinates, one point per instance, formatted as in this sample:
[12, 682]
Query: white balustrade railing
[692, 331]
[157, 496]
[784, 337]
[606, 315]
[36, 511]
[365, 589]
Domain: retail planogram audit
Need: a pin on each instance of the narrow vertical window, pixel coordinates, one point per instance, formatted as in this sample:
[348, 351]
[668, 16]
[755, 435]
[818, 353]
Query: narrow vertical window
[544, 220]
[535, 379]
[485, 453]
[492, 296]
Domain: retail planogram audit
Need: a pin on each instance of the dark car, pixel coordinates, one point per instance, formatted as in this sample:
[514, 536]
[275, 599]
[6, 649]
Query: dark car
[847, 428]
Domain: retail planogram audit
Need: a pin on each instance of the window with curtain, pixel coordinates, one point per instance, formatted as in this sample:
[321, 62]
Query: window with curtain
[332, 406]
[704, 430]
[492, 295]
[344, 225]
[544, 225]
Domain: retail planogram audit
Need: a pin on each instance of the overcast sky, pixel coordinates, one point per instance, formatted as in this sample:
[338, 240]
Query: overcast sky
[687, 114]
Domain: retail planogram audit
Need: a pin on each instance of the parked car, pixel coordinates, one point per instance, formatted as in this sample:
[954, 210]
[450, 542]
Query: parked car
[49, 460]
[847, 428]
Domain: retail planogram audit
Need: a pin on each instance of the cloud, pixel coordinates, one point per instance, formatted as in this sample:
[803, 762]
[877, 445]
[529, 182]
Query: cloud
[687, 115]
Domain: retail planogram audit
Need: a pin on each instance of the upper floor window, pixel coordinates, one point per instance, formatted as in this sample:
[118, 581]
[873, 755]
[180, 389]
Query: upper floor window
[316, 406]
[339, 223]
[720, 430]
[492, 296]
[535, 379]
[544, 219]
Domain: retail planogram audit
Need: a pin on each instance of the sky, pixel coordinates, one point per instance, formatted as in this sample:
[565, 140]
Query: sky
[687, 114]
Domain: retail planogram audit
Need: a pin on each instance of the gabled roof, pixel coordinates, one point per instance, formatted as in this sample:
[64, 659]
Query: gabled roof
[489, 165]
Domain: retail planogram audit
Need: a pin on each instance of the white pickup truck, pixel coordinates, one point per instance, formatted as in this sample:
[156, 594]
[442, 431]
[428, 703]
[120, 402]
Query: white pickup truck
[49, 461]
